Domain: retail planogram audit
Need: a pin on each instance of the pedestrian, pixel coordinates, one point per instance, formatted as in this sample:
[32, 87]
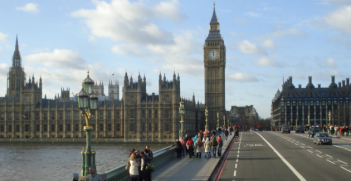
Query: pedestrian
[131, 151]
[198, 148]
[336, 130]
[207, 148]
[186, 141]
[231, 130]
[226, 134]
[214, 147]
[195, 139]
[151, 155]
[220, 145]
[147, 173]
[190, 146]
[75, 176]
[183, 145]
[178, 148]
[93, 176]
[134, 168]
[201, 134]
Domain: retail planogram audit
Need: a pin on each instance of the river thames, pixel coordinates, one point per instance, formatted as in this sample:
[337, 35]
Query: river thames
[58, 161]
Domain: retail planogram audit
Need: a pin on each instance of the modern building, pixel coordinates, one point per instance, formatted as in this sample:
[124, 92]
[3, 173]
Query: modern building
[214, 63]
[292, 106]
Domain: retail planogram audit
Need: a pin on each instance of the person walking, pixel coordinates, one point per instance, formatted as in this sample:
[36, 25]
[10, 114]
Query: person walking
[220, 145]
[226, 132]
[183, 145]
[207, 147]
[190, 147]
[134, 168]
[93, 176]
[186, 141]
[178, 148]
[198, 148]
[147, 173]
[214, 147]
[336, 130]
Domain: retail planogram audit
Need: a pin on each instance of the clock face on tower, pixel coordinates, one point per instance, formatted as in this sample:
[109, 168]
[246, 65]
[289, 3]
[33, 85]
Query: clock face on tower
[213, 54]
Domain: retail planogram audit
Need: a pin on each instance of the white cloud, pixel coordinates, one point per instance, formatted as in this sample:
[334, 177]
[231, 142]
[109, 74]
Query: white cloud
[58, 58]
[122, 20]
[30, 7]
[247, 47]
[252, 14]
[269, 43]
[330, 62]
[340, 19]
[242, 77]
[265, 61]
[3, 37]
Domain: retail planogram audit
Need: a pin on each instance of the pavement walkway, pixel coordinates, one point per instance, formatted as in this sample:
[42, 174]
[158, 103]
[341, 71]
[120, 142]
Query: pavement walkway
[189, 168]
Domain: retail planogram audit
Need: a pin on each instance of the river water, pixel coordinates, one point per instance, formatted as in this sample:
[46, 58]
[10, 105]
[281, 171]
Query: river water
[58, 161]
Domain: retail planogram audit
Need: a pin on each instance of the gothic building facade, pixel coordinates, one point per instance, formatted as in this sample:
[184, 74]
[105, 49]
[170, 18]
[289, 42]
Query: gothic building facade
[292, 105]
[214, 63]
[138, 116]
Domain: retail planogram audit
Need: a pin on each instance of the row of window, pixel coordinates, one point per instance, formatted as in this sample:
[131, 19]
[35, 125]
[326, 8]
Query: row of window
[60, 127]
[311, 103]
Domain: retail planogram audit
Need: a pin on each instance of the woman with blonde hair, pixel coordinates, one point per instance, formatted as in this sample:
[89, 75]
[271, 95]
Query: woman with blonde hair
[134, 167]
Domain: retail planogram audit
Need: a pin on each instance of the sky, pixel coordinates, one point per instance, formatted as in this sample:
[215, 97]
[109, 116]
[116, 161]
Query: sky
[266, 41]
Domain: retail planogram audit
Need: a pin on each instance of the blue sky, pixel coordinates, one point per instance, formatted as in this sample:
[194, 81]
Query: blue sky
[266, 40]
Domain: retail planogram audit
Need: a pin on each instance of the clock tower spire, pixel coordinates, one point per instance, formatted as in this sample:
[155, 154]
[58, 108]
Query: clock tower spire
[214, 63]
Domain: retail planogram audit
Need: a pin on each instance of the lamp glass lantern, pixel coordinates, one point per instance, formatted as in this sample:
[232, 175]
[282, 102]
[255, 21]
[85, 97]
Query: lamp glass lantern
[93, 102]
[83, 100]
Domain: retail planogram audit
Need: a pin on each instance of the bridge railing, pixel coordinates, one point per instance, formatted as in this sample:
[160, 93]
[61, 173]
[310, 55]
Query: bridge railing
[121, 174]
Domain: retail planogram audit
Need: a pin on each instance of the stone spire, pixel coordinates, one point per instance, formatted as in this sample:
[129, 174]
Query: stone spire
[16, 59]
[214, 19]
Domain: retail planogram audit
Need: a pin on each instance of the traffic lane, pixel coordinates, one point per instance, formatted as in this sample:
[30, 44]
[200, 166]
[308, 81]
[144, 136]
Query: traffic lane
[312, 164]
[339, 150]
[256, 161]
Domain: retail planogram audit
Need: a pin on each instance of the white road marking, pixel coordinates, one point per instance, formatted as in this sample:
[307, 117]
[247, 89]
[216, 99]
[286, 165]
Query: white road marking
[298, 175]
[234, 173]
[342, 147]
[331, 162]
[236, 165]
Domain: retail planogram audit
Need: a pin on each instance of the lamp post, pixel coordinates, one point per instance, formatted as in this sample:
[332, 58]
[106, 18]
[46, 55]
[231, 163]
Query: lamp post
[309, 120]
[217, 120]
[224, 120]
[87, 103]
[329, 116]
[181, 112]
[206, 115]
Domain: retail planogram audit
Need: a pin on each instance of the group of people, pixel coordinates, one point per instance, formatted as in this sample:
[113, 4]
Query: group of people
[206, 142]
[139, 164]
[93, 176]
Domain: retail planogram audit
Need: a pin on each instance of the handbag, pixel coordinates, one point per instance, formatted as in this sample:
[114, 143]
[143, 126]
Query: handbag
[127, 166]
[149, 167]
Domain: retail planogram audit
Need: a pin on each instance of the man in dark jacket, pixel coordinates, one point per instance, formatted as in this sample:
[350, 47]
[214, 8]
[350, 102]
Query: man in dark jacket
[151, 155]
[214, 147]
[178, 148]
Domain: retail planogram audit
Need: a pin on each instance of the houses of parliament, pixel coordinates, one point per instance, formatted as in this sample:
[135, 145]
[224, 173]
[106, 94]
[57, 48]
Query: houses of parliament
[137, 116]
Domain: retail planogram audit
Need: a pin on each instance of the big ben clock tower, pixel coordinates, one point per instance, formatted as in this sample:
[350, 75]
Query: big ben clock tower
[214, 62]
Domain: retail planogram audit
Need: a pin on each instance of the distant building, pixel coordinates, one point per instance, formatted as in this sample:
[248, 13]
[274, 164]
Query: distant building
[293, 105]
[244, 112]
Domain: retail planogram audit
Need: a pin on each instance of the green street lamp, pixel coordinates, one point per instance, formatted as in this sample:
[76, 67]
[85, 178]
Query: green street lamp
[224, 120]
[206, 115]
[217, 120]
[329, 116]
[181, 112]
[309, 120]
[87, 103]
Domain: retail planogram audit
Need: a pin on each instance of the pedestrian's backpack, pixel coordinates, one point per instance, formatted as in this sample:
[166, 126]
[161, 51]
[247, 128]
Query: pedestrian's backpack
[214, 143]
[199, 143]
